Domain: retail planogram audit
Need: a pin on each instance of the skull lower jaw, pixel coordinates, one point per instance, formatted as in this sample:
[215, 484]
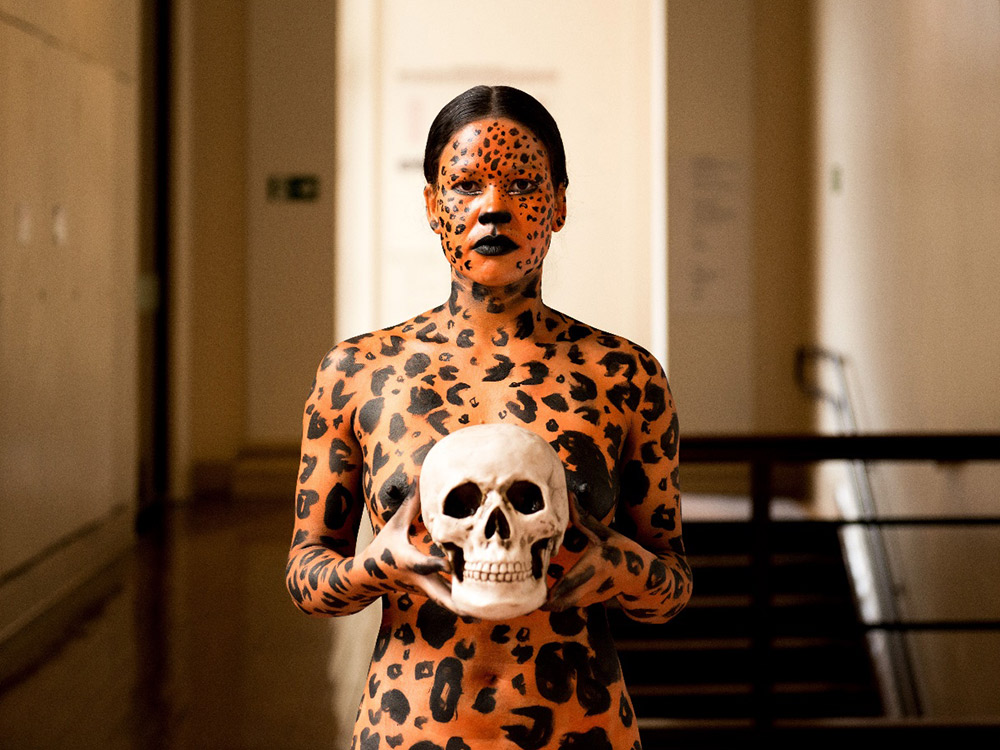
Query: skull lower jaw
[492, 589]
[498, 600]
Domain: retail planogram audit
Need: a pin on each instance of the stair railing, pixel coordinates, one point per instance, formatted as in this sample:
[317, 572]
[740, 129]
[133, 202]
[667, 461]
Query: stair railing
[867, 554]
[762, 453]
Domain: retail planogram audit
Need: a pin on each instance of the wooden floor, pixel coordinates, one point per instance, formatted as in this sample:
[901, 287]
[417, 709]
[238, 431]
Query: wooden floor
[194, 643]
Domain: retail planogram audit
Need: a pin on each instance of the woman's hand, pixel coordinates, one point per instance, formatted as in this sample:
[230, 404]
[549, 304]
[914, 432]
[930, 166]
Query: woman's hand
[394, 563]
[598, 575]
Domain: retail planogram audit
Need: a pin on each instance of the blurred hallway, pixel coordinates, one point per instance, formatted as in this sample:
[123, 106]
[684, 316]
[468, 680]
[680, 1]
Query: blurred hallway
[194, 644]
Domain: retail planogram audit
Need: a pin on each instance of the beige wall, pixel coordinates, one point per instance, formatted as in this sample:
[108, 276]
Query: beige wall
[251, 297]
[740, 242]
[908, 226]
[68, 258]
[208, 244]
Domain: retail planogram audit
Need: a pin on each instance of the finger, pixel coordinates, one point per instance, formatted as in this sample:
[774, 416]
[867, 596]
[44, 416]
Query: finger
[436, 588]
[582, 521]
[566, 592]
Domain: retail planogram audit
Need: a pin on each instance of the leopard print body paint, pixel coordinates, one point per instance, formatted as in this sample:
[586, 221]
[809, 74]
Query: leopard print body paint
[493, 352]
[494, 179]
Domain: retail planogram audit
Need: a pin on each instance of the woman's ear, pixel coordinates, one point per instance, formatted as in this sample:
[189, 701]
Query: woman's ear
[559, 214]
[430, 203]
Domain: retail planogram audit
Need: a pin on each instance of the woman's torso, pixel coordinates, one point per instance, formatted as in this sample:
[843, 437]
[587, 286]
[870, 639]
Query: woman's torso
[530, 681]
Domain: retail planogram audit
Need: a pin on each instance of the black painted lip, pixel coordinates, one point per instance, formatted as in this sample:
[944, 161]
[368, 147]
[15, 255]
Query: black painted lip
[495, 244]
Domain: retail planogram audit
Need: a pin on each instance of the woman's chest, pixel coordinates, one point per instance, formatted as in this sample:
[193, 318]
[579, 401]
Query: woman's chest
[414, 404]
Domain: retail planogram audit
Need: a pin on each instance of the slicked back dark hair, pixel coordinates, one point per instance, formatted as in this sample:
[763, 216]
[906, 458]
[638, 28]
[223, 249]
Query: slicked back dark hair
[481, 102]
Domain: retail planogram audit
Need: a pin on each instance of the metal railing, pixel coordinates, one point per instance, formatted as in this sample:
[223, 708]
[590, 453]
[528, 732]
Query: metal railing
[762, 454]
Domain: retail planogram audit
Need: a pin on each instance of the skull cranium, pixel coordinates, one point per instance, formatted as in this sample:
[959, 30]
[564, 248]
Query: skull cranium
[494, 498]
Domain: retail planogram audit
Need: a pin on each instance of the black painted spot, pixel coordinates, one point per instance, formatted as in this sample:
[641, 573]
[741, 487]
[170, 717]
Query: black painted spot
[500, 371]
[317, 426]
[447, 689]
[369, 740]
[424, 669]
[370, 413]
[525, 325]
[555, 402]
[347, 364]
[338, 399]
[615, 362]
[340, 454]
[379, 378]
[670, 439]
[338, 506]
[307, 469]
[464, 340]
[553, 676]
[625, 712]
[304, 502]
[522, 652]
[416, 364]
[500, 634]
[485, 700]
[456, 743]
[465, 651]
[634, 483]
[595, 739]
[657, 574]
[525, 408]
[587, 475]
[624, 394]
[453, 394]
[373, 685]
[534, 736]
[425, 745]
[404, 634]
[395, 671]
[397, 427]
[585, 388]
[427, 334]
[663, 518]
[436, 624]
[518, 684]
[568, 622]
[423, 400]
[394, 347]
[395, 704]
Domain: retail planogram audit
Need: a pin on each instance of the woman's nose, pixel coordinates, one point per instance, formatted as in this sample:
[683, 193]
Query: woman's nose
[493, 211]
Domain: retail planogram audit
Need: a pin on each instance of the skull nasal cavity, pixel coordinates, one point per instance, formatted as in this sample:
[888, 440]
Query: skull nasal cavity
[463, 501]
[497, 524]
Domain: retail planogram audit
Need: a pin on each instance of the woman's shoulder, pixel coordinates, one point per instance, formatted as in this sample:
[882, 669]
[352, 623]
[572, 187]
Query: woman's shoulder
[616, 354]
[370, 350]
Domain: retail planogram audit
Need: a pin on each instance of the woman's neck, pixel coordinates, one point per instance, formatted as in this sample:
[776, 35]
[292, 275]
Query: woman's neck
[488, 310]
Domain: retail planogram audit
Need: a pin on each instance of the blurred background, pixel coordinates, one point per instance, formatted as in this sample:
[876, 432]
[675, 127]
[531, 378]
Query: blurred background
[795, 204]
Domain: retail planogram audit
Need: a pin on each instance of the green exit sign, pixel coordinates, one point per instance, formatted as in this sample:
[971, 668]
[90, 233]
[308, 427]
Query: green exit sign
[298, 187]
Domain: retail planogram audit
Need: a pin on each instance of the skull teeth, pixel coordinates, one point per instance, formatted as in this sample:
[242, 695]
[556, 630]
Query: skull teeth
[497, 572]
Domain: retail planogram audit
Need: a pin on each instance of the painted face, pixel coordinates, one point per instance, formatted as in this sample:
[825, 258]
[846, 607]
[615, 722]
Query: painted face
[494, 204]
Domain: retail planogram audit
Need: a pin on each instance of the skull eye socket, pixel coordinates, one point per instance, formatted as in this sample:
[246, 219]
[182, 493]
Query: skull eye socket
[525, 497]
[463, 500]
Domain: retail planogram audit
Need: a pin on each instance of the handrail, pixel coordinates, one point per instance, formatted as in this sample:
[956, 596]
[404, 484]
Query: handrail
[763, 452]
[811, 448]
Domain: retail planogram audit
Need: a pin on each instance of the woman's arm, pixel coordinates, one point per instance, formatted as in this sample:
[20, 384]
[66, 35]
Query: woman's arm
[324, 576]
[641, 562]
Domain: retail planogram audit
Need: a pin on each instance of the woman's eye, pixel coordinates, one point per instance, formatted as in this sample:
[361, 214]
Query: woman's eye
[466, 187]
[522, 186]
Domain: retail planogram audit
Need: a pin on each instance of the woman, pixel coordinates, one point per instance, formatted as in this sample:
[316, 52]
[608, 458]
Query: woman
[494, 352]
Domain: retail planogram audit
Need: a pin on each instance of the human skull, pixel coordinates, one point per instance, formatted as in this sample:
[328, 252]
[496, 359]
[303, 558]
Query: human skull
[494, 498]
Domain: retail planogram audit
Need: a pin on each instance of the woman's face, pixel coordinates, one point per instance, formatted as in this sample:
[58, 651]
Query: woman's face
[494, 204]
